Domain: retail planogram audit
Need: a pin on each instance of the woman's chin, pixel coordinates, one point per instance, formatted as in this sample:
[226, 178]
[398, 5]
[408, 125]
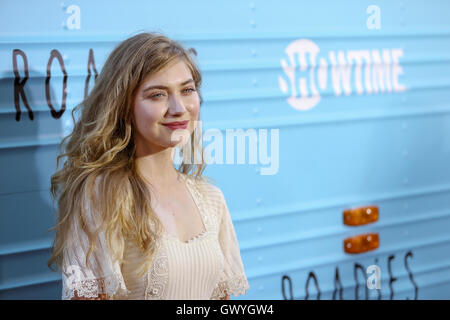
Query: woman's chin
[180, 137]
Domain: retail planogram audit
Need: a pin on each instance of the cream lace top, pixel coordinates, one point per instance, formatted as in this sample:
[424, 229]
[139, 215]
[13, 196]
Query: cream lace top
[208, 266]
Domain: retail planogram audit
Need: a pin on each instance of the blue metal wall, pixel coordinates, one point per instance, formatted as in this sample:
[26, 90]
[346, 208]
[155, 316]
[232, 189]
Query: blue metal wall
[358, 147]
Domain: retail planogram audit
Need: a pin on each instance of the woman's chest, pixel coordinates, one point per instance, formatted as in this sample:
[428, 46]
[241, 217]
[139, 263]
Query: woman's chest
[178, 270]
[181, 213]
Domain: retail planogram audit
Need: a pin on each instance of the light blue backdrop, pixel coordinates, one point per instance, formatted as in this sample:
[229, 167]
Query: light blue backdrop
[313, 70]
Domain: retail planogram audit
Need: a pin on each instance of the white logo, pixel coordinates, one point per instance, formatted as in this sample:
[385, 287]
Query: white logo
[305, 78]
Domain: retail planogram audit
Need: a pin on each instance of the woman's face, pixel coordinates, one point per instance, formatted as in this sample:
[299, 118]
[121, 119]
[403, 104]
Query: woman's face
[167, 96]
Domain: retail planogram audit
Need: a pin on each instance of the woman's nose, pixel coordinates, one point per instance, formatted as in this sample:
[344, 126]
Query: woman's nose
[176, 105]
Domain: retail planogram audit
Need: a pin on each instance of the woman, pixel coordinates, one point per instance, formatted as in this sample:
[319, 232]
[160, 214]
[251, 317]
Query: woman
[130, 225]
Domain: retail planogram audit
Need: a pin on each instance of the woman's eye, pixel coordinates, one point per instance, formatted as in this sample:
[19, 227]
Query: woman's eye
[189, 90]
[156, 95]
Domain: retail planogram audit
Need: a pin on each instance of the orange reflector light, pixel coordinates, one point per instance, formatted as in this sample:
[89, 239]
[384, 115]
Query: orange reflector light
[361, 243]
[360, 216]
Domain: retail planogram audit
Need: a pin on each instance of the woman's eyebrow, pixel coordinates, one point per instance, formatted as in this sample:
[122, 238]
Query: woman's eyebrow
[164, 87]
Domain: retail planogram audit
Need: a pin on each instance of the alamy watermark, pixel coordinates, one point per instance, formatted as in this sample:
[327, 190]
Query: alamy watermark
[222, 149]
[374, 280]
[374, 20]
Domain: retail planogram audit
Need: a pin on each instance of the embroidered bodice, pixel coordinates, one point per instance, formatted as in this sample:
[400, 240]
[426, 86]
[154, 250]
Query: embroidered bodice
[208, 266]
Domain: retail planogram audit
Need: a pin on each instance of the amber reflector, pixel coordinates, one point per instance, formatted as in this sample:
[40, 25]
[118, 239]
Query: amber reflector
[361, 243]
[360, 216]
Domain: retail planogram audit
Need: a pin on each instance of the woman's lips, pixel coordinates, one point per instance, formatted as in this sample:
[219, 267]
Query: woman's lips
[177, 125]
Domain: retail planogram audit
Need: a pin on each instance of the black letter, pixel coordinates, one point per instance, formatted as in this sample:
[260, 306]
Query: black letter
[312, 275]
[391, 278]
[290, 287]
[416, 288]
[355, 273]
[57, 55]
[91, 63]
[18, 85]
[337, 281]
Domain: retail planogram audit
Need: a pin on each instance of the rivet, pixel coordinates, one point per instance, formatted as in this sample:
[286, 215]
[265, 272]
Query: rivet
[405, 181]
[258, 200]
[254, 53]
[261, 287]
[259, 229]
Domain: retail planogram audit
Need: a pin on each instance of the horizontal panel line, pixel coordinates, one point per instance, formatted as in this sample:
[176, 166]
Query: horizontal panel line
[279, 270]
[197, 36]
[27, 283]
[323, 119]
[278, 122]
[214, 66]
[46, 245]
[256, 95]
[26, 191]
[338, 203]
[399, 278]
[335, 231]
[320, 262]
[22, 248]
[329, 93]
[36, 109]
[259, 95]
[30, 143]
[434, 284]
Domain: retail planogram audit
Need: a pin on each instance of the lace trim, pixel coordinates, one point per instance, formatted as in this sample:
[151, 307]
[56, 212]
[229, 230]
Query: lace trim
[112, 285]
[237, 285]
[199, 200]
[194, 188]
[158, 276]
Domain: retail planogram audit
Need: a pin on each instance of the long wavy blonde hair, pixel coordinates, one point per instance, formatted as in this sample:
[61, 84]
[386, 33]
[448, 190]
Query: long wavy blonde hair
[102, 146]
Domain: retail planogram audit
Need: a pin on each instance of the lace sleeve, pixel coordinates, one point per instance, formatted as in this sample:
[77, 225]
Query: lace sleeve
[233, 279]
[101, 276]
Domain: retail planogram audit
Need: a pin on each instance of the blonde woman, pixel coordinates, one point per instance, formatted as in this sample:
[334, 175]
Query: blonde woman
[130, 225]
